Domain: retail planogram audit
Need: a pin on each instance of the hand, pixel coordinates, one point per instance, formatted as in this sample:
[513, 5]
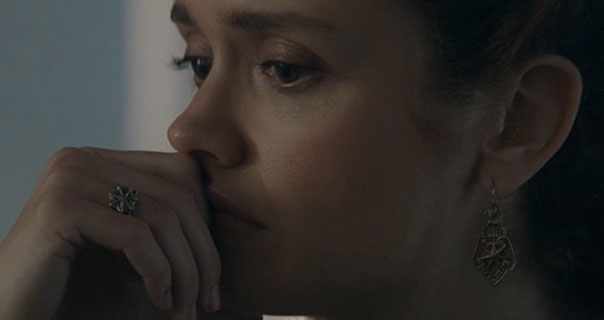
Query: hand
[166, 241]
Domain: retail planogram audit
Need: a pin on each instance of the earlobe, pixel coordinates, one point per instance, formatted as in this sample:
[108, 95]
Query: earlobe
[545, 99]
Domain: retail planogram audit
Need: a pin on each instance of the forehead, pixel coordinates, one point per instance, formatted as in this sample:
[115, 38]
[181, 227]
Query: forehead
[356, 26]
[345, 13]
[329, 8]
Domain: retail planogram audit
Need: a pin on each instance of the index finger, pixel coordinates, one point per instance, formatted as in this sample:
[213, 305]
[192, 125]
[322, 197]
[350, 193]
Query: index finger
[166, 165]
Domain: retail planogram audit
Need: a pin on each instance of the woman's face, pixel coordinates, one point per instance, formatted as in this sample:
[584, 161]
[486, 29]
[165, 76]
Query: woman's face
[310, 116]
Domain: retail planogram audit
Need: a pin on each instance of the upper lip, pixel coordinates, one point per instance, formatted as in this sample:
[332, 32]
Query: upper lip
[219, 203]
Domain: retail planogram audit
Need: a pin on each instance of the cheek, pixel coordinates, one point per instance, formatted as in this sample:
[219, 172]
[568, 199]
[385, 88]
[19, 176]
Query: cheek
[347, 186]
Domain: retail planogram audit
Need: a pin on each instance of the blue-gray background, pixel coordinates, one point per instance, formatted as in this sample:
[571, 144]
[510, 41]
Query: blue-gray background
[62, 83]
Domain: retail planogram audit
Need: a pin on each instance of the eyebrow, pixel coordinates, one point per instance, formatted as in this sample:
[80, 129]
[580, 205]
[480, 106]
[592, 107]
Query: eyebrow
[256, 21]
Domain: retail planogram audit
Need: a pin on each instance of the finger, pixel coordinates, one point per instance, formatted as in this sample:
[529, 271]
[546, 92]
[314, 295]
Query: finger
[80, 220]
[164, 224]
[181, 198]
[180, 167]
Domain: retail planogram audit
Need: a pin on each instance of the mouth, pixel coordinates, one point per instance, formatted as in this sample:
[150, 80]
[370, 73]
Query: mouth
[220, 205]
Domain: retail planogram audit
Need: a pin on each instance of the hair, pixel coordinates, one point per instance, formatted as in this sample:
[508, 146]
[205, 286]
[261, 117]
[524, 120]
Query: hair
[474, 43]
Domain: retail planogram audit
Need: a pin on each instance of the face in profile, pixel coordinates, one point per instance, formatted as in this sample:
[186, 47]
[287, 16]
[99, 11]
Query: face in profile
[310, 116]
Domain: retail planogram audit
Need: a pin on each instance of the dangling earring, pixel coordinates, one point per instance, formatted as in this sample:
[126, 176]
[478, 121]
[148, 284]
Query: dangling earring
[494, 254]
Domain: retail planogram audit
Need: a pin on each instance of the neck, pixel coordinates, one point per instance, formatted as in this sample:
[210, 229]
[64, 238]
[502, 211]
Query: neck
[451, 287]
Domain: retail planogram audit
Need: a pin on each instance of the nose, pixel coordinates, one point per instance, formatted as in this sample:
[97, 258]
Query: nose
[208, 126]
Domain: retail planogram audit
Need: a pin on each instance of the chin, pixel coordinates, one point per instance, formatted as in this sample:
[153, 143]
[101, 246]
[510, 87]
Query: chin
[256, 284]
[247, 277]
[256, 277]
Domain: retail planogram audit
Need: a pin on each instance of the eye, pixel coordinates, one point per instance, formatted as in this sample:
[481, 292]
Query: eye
[201, 66]
[286, 74]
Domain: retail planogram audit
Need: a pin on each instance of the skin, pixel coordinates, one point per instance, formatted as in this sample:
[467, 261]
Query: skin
[371, 193]
[366, 189]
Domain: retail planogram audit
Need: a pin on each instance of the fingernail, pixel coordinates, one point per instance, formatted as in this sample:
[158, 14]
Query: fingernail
[168, 299]
[215, 299]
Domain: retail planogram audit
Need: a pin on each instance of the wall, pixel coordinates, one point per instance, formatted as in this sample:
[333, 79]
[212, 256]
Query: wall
[157, 93]
[61, 84]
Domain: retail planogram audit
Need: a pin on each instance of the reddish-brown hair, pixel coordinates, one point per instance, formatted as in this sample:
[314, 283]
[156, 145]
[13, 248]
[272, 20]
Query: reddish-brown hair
[474, 43]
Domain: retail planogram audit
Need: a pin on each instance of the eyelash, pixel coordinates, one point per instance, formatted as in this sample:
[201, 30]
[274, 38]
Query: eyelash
[295, 86]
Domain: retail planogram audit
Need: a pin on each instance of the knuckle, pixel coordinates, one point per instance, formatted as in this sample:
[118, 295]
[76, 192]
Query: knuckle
[140, 232]
[63, 177]
[171, 220]
[212, 269]
[164, 272]
[191, 279]
[65, 157]
[54, 200]
[216, 274]
[192, 272]
[141, 235]
[167, 217]
[54, 206]
[90, 149]
[160, 273]
[190, 296]
[185, 195]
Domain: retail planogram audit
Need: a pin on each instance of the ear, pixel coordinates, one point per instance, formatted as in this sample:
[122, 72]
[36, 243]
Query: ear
[542, 103]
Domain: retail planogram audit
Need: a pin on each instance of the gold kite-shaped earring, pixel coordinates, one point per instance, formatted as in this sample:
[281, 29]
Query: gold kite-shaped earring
[494, 254]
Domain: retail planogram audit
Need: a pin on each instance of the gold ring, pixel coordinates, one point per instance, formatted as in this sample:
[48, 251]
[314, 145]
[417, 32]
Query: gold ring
[123, 200]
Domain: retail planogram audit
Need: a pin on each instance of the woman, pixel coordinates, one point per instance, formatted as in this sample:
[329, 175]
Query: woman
[386, 160]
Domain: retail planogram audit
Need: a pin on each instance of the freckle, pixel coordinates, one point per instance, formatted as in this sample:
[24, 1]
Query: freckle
[385, 258]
